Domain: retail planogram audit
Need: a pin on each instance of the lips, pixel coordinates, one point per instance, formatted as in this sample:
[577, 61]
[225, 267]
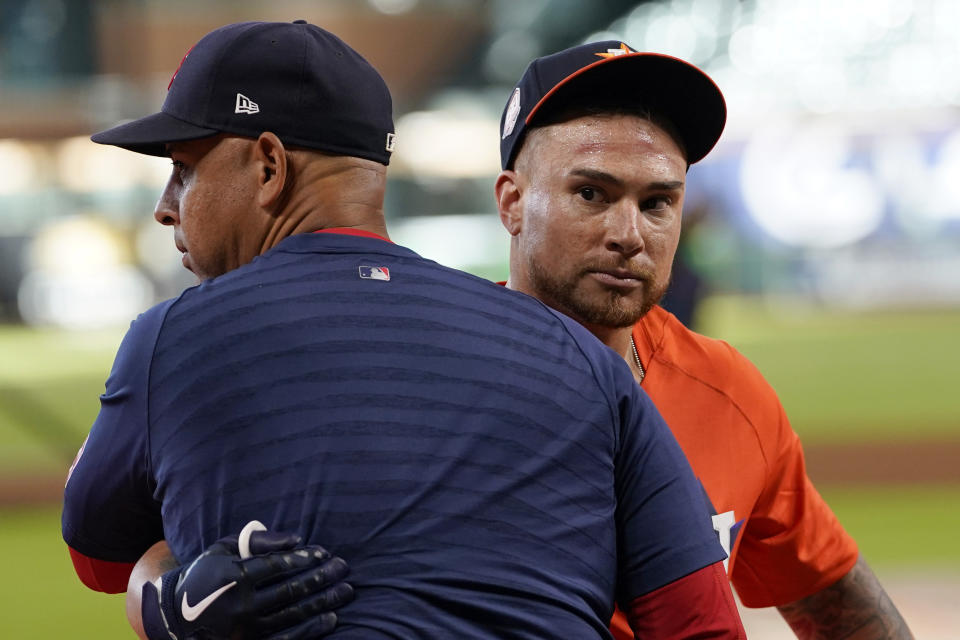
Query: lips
[620, 278]
[624, 274]
[185, 258]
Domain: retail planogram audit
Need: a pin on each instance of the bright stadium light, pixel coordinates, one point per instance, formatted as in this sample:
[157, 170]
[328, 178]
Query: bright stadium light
[849, 57]
[393, 7]
[19, 167]
[80, 277]
[79, 301]
[76, 244]
[447, 144]
[87, 167]
[441, 238]
[946, 202]
[799, 188]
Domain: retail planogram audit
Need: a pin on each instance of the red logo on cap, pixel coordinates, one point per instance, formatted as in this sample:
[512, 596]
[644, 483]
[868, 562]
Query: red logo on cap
[612, 53]
[178, 67]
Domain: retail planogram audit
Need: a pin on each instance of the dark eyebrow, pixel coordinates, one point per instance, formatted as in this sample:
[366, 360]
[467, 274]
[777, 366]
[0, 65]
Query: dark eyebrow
[670, 185]
[603, 176]
[599, 176]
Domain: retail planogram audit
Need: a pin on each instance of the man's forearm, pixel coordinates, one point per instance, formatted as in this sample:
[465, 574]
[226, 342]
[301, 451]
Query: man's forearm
[854, 608]
[153, 564]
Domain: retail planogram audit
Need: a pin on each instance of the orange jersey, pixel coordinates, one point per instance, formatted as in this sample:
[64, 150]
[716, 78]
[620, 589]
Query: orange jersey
[784, 541]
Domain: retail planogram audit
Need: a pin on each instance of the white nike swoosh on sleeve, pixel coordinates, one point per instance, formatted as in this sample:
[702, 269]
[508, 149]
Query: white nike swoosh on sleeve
[192, 613]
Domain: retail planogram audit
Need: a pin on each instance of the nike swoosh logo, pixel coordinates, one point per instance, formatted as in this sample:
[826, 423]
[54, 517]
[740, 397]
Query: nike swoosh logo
[192, 613]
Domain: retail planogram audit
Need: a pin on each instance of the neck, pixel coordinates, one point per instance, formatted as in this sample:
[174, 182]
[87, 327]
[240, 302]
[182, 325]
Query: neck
[620, 339]
[329, 192]
[617, 338]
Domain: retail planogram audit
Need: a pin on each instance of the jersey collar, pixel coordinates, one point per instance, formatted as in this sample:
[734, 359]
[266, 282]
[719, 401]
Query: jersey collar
[648, 333]
[347, 231]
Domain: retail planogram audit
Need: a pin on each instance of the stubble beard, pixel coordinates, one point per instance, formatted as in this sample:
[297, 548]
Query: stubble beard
[614, 310]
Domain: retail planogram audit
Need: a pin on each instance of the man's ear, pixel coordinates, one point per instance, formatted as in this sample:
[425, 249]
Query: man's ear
[509, 195]
[270, 156]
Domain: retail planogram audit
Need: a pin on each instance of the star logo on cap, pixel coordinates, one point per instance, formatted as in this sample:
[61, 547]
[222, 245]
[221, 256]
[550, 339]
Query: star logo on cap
[613, 53]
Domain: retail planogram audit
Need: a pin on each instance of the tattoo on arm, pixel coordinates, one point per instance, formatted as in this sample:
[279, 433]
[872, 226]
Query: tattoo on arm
[854, 608]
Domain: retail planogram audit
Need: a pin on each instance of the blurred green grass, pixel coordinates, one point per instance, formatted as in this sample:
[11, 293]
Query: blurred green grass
[41, 595]
[849, 376]
[901, 527]
[50, 382]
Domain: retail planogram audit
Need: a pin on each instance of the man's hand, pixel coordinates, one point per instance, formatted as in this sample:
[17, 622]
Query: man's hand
[257, 585]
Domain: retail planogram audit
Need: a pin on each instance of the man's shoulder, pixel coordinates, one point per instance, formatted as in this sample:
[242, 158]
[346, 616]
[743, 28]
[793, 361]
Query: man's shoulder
[145, 327]
[696, 380]
[712, 362]
[683, 345]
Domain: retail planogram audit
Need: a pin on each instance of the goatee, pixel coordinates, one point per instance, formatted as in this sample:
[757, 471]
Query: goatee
[615, 309]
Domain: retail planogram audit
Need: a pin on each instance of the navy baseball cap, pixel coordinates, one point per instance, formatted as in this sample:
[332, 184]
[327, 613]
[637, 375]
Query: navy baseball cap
[668, 86]
[294, 79]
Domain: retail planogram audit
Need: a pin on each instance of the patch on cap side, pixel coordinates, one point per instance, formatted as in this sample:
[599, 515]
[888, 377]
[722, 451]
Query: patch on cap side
[513, 110]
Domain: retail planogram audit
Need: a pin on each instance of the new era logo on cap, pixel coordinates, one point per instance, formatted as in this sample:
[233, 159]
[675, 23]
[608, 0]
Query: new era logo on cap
[374, 273]
[246, 105]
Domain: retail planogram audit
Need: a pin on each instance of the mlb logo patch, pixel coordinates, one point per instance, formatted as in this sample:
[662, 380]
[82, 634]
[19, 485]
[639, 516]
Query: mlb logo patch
[374, 273]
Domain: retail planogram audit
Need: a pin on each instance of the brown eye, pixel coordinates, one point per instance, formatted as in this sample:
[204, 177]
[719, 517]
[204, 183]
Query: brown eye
[589, 194]
[656, 204]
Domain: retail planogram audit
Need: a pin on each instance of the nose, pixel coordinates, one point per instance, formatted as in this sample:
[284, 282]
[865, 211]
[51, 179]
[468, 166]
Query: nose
[624, 231]
[167, 211]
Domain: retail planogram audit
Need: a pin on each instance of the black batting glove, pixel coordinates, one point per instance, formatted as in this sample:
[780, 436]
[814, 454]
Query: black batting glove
[260, 585]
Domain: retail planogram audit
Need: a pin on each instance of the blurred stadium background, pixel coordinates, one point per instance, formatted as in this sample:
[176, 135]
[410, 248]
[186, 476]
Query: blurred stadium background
[822, 235]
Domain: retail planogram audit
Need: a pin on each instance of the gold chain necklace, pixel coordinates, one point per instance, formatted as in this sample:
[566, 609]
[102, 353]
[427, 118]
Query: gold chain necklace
[636, 358]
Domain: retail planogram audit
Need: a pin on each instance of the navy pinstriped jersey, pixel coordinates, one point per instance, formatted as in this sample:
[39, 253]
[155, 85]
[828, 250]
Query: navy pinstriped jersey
[486, 466]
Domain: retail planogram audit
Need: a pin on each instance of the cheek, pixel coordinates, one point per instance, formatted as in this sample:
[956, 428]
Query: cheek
[235, 195]
[533, 234]
[200, 218]
[662, 245]
[190, 204]
[550, 227]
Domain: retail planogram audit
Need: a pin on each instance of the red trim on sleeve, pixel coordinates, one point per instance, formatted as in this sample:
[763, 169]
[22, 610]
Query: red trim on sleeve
[347, 231]
[101, 575]
[699, 605]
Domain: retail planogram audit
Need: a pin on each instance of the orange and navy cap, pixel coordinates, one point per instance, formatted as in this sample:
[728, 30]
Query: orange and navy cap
[294, 79]
[675, 89]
